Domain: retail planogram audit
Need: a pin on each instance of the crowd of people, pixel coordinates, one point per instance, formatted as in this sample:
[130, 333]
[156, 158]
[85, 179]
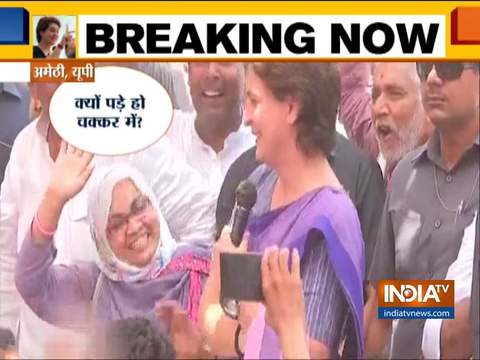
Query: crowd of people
[363, 172]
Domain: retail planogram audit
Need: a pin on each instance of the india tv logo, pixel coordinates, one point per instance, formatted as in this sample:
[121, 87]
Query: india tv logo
[416, 299]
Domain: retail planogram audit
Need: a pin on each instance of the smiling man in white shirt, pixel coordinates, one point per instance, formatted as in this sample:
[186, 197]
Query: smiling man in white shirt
[213, 136]
[187, 207]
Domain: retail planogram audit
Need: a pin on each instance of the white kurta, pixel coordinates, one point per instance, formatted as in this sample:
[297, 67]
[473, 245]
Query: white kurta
[461, 272]
[212, 166]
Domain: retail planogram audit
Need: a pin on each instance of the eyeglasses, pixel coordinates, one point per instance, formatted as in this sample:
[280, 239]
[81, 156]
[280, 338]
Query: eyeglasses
[118, 223]
[445, 71]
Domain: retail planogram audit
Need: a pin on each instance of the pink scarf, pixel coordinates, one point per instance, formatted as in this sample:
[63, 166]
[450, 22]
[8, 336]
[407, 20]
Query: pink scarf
[196, 266]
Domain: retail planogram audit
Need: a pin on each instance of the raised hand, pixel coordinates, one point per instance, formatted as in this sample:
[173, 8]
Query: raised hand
[66, 37]
[61, 44]
[71, 171]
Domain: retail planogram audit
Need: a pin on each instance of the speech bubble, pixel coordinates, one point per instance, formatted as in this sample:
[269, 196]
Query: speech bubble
[123, 111]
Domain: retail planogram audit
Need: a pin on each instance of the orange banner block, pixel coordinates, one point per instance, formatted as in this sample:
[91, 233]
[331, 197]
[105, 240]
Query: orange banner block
[465, 28]
[62, 71]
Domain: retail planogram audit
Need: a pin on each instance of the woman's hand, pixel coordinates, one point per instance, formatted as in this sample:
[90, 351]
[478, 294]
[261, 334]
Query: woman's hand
[62, 44]
[285, 306]
[71, 171]
[217, 328]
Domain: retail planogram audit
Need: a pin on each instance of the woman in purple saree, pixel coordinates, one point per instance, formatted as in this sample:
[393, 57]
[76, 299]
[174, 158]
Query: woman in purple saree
[291, 108]
[322, 215]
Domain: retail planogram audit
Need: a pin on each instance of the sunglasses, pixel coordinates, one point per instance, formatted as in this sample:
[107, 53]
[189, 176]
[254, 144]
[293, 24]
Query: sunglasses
[445, 71]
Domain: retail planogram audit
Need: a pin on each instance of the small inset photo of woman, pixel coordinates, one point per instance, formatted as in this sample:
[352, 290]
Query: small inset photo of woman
[54, 37]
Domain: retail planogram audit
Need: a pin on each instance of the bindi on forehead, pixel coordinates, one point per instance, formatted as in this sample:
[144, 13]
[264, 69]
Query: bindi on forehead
[400, 78]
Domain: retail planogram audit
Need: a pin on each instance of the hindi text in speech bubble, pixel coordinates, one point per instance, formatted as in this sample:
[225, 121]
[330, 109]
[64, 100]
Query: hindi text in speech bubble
[123, 111]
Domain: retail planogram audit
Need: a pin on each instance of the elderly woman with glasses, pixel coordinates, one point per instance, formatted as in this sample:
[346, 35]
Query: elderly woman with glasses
[139, 261]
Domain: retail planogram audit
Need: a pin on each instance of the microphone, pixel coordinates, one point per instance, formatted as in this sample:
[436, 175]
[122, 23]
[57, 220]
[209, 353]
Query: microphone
[246, 196]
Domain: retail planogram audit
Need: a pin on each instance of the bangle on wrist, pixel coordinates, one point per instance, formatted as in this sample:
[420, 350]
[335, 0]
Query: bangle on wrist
[41, 229]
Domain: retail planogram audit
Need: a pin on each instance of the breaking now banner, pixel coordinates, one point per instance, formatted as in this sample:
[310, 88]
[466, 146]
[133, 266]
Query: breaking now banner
[251, 30]
[182, 31]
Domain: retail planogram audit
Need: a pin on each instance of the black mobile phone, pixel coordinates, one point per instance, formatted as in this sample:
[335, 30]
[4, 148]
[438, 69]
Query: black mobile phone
[241, 276]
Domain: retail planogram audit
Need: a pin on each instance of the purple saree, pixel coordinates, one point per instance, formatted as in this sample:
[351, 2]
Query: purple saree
[325, 210]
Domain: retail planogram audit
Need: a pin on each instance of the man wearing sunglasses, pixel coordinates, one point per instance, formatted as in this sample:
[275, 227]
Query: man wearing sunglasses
[434, 195]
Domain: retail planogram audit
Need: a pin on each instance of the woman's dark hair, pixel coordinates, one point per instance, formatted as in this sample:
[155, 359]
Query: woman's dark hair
[43, 25]
[317, 88]
[137, 338]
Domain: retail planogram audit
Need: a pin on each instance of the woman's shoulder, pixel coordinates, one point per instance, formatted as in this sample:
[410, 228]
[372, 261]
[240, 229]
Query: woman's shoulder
[336, 199]
[187, 258]
[335, 205]
[38, 53]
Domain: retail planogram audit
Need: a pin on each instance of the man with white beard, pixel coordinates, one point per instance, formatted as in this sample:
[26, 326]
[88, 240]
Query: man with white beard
[397, 111]
[390, 122]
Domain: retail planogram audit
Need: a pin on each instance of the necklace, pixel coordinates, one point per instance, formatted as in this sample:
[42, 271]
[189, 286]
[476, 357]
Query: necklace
[461, 205]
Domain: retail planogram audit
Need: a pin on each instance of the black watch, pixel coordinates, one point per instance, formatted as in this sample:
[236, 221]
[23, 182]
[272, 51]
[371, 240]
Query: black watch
[231, 308]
